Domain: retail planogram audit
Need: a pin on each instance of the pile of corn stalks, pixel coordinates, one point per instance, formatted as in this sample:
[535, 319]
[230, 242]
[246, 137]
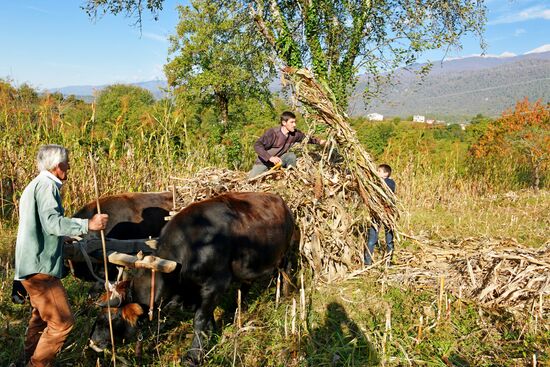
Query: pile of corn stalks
[324, 200]
[494, 272]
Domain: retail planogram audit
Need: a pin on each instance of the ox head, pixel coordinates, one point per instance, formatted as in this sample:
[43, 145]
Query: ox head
[124, 317]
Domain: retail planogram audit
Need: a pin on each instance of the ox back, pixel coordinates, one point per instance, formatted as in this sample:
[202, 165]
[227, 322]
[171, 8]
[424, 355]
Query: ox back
[133, 215]
[232, 237]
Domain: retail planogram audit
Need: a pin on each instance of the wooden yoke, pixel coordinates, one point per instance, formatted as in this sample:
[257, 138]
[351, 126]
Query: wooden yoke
[147, 262]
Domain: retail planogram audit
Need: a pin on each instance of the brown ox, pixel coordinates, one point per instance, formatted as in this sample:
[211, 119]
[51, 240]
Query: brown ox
[131, 216]
[232, 237]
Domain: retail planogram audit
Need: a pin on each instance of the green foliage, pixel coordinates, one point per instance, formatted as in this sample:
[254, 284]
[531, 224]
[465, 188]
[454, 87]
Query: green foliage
[218, 58]
[122, 110]
[126, 103]
[338, 39]
[375, 136]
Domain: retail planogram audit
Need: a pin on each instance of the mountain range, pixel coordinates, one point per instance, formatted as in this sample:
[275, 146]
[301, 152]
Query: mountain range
[462, 87]
[453, 89]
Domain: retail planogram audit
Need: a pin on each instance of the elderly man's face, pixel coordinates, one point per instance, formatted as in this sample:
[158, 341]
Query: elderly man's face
[61, 170]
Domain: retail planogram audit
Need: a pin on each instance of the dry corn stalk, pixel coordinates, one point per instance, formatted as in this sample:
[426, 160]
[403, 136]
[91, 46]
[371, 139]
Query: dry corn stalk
[321, 106]
[332, 225]
[493, 272]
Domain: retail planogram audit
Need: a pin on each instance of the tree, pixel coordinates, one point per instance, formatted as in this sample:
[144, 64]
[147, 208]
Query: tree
[122, 102]
[121, 110]
[218, 56]
[520, 135]
[338, 39]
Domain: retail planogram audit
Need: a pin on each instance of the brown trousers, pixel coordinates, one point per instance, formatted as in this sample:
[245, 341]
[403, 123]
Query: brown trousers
[51, 319]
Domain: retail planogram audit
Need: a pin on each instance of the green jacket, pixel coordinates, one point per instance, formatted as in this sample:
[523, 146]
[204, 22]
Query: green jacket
[42, 225]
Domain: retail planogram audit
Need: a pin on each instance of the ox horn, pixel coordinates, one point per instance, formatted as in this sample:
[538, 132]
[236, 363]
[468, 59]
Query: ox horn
[114, 300]
[147, 262]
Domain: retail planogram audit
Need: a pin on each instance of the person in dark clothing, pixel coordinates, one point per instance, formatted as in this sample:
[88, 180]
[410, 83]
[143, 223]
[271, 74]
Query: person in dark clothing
[272, 147]
[384, 171]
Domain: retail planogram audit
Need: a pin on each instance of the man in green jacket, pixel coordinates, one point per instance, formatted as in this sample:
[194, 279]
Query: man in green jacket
[39, 257]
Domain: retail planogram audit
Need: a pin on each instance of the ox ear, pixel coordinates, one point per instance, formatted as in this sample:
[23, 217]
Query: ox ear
[131, 312]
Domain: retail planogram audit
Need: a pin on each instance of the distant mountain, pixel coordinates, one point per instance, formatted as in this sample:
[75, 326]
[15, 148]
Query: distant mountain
[87, 92]
[463, 87]
[455, 88]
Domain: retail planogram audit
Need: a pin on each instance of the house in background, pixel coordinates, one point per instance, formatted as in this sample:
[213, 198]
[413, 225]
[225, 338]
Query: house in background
[419, 118]
[375, 117]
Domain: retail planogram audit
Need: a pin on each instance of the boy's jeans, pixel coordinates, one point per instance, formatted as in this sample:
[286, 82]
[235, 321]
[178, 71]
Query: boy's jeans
[373, 239]
[288, 159]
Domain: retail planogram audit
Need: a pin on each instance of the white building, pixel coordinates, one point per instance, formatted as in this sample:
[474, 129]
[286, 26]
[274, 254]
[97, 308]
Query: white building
[419, 118]
[375, 117]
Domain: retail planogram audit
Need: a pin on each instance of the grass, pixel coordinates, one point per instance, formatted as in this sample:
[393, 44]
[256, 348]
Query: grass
[359, 322]
[520, 215]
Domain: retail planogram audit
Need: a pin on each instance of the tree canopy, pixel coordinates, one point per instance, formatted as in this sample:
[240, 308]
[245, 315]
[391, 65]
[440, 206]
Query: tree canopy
[521, 135]
[217, 56]
[340, 39]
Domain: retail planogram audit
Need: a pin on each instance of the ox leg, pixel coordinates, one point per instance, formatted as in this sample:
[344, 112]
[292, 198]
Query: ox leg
[203, 323]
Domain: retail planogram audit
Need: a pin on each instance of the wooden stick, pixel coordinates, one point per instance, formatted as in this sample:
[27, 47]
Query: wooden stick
[152, 296]
[419, 334]
[278, 291]
[239, 323]
[441, 291]
[302, 299]
[293, 317]
[107, 284]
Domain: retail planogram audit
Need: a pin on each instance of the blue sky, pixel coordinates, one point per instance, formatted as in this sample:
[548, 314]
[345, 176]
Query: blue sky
[50, 44]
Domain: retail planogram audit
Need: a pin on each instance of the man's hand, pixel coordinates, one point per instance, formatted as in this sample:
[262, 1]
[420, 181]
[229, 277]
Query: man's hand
[98, 222]
[275, 160]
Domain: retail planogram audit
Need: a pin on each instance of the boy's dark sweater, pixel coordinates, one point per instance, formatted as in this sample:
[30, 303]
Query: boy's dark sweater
[390, 183]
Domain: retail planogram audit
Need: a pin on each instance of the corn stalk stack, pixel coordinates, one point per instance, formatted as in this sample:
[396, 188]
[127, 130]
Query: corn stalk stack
[320, 105]
[333, 203]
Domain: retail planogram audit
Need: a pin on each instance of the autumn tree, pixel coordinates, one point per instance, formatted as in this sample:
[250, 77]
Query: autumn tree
[217, 57]
[520, 135]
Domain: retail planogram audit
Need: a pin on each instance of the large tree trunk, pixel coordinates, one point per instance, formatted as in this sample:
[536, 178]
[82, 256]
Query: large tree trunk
[223, 105]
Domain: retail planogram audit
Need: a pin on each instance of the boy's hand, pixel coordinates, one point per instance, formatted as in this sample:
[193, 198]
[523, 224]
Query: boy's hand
[275, 160]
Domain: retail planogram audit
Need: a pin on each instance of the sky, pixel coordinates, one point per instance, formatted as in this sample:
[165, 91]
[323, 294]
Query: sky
[53, 44]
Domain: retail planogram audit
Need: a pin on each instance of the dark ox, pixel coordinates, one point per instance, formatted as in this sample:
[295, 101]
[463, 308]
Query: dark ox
[131, 216]
[233, 237]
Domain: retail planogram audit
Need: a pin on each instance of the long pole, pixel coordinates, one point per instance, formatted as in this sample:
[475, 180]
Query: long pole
[107, 284]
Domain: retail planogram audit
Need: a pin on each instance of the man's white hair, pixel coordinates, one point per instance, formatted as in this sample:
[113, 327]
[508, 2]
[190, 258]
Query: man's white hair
[49, 156]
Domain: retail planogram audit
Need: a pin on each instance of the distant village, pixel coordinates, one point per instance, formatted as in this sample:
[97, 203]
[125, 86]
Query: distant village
[416, 118]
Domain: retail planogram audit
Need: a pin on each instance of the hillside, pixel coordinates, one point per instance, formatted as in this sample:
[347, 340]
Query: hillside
[464, 87]
[458, 88]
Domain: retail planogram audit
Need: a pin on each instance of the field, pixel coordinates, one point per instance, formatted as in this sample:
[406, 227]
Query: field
[370, 318]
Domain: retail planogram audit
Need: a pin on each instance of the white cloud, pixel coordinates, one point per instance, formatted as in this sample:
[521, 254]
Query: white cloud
[39, 10]
[519, 31]
[535, 12]
[155, 37]
[502, 55]
[543, 48]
